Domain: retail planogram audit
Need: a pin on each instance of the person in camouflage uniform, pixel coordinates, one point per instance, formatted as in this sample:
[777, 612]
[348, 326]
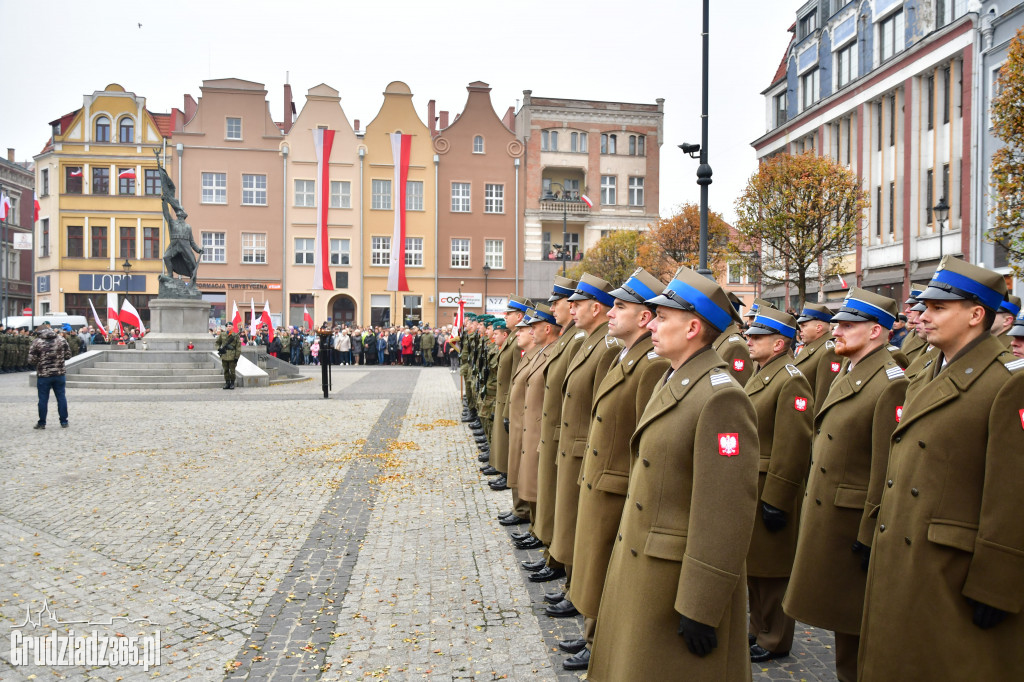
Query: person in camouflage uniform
[47, 354]
[229, 347]
[490, 376]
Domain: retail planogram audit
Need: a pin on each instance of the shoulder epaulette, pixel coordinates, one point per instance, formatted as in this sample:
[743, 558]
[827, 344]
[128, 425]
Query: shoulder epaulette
[653, 356]
[1014, 365]
[894, 373]
[719, 378]
[793, 370]
[892, 349]
[736, 339]
[830, 344]
[579, 335]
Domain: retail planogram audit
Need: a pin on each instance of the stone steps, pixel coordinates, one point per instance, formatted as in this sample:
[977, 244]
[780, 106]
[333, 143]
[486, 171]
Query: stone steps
[117, 384]
[143, 371]
[132, 369]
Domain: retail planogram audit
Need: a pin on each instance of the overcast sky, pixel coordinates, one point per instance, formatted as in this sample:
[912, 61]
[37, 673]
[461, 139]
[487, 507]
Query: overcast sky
[634, 51]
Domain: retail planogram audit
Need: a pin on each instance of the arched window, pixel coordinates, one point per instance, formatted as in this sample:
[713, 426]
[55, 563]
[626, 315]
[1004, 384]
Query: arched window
[102, 129]
[126, 130]
[478, 144]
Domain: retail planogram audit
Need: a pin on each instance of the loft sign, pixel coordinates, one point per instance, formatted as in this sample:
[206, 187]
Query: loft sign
[111, 282]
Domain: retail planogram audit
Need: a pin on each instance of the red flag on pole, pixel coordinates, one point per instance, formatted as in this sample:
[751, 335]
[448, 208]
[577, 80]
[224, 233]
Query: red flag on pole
[307, 318]
[323, 140]
[236, 317]
[95, 316]
[265, 319]
[129, 315]
[401, 146]
[113, 319]
[460, 318]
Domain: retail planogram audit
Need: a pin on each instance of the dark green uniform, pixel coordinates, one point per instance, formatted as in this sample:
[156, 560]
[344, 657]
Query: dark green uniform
[230, 348]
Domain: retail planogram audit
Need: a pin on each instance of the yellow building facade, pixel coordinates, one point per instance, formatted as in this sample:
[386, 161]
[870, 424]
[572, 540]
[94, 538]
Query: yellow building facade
[100, 207]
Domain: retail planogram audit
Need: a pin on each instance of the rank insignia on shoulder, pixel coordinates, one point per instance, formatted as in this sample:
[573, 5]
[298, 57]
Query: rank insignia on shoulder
[736, 339]
[830, 344]
[579, 335]
[892, 349]
[1014, 365]
[653, 356]
[894, 373]
[793, 370]
[719, 378]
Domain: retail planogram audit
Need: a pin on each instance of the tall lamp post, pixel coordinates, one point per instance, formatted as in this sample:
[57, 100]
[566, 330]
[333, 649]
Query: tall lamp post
[704, 169]
[941, 211]
[487, 271]
[564, 200]
[3, 263]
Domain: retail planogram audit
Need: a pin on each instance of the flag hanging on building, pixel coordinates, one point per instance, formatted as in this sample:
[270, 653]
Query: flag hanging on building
[35, 204]
[126, 174]
[96, 316]
[323, 140]
[587, 201]
[843, 282]
[265, 319]
[129, 315]
[252, 317]
[113, 320]
[401, 145]
[5, 205]
[307, 318]
[76, 173]
[236, 317]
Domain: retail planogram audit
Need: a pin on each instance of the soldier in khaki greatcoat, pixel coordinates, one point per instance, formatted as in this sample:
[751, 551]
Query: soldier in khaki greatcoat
[913, 344]
[945, 585]
[849, 458]
[731, 346]
[1008, 311]
[590, 304]
[515, 409]
[784, 404]
[1016, 336]
[817, 359]
[674, 602]
[508, 360]
[619, 401]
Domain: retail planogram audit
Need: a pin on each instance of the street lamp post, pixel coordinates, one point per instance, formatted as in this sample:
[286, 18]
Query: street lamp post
[941, 211]
[3, 263]
[487, 271]
[704, 169]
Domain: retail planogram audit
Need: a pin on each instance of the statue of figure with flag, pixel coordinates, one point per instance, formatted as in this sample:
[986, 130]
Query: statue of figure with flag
[178, 258]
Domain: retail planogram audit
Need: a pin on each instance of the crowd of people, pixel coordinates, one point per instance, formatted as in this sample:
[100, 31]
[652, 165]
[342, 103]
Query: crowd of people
[700, 479]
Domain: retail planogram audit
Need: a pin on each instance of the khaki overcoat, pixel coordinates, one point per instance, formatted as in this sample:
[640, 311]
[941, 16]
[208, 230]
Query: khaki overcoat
[516, 413]
[784, 405]
[949, 527]
[508, 360]
[618, 403]
[532, 416]
[913, 345]
[585, 372]
[924, 357]
[820, 364]
[849, 459]
[562, 353]
[731, 347]
[684, 533]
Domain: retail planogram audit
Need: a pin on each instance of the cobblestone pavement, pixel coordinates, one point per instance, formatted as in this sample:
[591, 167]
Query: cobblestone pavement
[272, 534]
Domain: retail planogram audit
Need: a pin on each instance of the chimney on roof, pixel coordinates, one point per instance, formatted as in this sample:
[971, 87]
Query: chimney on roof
[10, 154]
[444, 120]
[357, 125]
[431, 119]
[289, 108]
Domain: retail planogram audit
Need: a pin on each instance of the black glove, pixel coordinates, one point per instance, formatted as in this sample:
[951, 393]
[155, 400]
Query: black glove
[505, 422]
[700, 638]
[222, 351]
[986, 616]
[865, 554]
[773, 517]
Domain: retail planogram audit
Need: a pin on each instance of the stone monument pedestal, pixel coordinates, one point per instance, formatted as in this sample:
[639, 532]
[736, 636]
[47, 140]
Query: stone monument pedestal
[176, 322]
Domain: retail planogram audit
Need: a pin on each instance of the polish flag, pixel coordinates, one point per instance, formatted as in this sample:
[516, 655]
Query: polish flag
[76, 173]
[252, 317]
[401, 146]
[35, 203]
[129, 315]
[236, 317]
[95, 316]
[586, 200]
[323, 140]
[307, 318]
[843, 282]
[265, 319]
[5, 205]
[113, 320]
[460, 317]
[126, 174]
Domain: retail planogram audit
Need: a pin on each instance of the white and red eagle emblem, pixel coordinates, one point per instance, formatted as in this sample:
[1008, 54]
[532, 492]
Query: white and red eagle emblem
[899, 413]
[738, 365]
[835, 366]
[728, 444]
[800, 404]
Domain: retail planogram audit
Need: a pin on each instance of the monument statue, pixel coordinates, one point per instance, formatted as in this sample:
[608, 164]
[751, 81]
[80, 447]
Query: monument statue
[179, 257]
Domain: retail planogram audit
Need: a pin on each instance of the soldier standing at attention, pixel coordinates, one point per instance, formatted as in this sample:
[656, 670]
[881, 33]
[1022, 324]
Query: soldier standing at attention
[674, 601]
[784, 404]
[731, 347]
[1016, 336]
[507, 362]
[1008, 311]
[849, 459]
[229, 348]
[913, 343]
[945, 584]
[619, 400]
[516, 408]
[817, 359]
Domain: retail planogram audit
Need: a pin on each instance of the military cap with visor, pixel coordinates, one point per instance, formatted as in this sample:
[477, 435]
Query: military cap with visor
[958, 280]
[861, 305]
[525, 322]
[773, 321]
[562, 288]
[541, 313]
[517, 304]
[1018, 325]
[756, 306]
[696, 294]
[641, 287]
[1011, 304]
[591, 288]
[912, 299]
[814, 311]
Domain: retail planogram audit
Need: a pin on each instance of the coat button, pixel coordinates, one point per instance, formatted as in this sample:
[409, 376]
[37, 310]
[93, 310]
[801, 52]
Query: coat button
[817, 430]
[568, 395]
[889, 483]
[898, 439]
[881, 528]
[599, 418]
[830, 436]
[633, 552]
[620, 537]
[588, 487]
[565, 423]
[817, 502]
[920, 444]
[646, 462]
[822, 469]
[639, 506]
[595, 451]
[545, 414]
[915, 492]
[906, 540]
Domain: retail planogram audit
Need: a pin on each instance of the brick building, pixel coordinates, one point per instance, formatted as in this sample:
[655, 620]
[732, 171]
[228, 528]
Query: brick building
[17, 181]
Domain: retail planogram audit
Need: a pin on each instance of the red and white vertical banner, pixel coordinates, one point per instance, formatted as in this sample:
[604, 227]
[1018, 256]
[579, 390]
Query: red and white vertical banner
[236, 317]
[265, 319]
[400, 148]
[460, 317]
[307, 318]
[323, 140]
[113, 319]
[96, 317]
[252, 317]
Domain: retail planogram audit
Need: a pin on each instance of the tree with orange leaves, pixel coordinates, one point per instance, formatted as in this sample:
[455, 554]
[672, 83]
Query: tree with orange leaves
[675, 241]
[1007, 169]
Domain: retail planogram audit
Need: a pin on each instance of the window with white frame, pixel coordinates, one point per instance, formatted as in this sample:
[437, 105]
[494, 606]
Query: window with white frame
[254, 190]
[494, 253]
[845, 70]
[234, 128]
[304, 251]
[254, 247]
[636, 191]
[380, 250]
[340, 252]
[214, 250]
[460, 253]
[781, 104]
[215, 188]
[305, 193]
[494, 198]
[380, 195]
[807, 24]
[414, 252]
[890, 35]
[478, 144]
[341, 194]
[460, 197]
[808, 89]
[414, 195]
[608, 190]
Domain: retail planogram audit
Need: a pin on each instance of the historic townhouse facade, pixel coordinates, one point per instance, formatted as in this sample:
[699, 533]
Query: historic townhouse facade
[100, 226]
[17, 181]
[481, 192]
[342, 305]
[886, 88]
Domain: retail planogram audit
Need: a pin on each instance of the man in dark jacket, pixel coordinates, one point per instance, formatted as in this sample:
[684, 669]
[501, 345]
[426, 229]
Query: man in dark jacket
[47, 354]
